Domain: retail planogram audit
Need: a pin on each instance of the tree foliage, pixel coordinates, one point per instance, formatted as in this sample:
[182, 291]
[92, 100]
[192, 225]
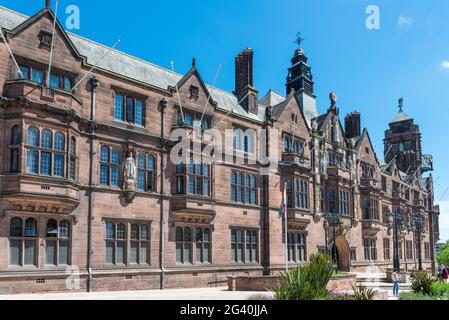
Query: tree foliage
[443, 255]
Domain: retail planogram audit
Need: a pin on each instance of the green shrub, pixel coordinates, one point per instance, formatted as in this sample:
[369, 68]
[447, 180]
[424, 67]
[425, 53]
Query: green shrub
[422, 283]
[259, 297]
[307, 282]
[414, 296]
[363, 293]
[440, 288]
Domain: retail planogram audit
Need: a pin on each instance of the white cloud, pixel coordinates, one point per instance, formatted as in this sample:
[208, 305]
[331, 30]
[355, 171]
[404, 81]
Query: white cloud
[404, 21]
[445, 64]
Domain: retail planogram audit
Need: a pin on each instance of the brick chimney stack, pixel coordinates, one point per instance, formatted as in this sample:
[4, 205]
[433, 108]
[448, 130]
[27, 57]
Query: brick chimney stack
[352, 125]
[244, 89]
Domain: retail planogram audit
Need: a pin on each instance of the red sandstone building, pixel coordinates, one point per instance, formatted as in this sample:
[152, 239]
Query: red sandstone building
[65, 203]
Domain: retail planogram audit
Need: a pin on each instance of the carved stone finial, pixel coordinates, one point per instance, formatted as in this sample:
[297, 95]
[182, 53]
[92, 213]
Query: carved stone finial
[333, 97]
[193, 62]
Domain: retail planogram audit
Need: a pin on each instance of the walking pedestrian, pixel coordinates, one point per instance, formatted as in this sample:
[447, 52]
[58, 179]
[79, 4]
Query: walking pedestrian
[445, 274]
[395, 279]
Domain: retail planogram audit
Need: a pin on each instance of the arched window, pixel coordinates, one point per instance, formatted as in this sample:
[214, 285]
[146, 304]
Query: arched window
[115, 236]
[110, 159]
[202, 245]
[30, 228]
[72, 155]
[33, 137]
[16, 140]
[15, 227]
[52, 229]
[27, 245]
[183, 245]
[59, 155]
[141, 175]
[16, 242]
[104, 154]
[46, 140]
[16, 135]
[151, 173]
[59, 141]
[139, 244]
[57, 242]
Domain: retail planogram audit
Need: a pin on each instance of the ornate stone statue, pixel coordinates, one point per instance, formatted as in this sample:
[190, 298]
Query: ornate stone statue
[324, 160]
[130, 172]
[352, 170]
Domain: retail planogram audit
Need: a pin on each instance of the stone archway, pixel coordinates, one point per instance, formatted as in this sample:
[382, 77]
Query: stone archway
[343, 254]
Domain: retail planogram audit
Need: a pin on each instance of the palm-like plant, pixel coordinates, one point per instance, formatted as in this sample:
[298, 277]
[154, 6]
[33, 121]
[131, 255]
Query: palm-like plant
[307, 282]
[363, 293]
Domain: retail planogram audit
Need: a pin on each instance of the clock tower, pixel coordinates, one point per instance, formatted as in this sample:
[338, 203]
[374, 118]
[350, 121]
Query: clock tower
[403, 143]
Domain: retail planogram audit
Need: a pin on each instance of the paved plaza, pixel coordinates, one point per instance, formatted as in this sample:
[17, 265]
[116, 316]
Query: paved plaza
[177, 294]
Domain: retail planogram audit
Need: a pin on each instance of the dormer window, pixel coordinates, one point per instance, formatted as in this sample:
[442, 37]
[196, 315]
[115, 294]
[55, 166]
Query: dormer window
[194, 92]
[45, 39]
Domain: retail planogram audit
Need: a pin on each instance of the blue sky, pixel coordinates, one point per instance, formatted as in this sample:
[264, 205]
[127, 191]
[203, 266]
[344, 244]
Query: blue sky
[369, 69]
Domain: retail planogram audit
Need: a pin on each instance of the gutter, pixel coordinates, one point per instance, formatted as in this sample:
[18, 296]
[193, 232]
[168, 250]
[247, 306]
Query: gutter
[94, 85]
[162, 106]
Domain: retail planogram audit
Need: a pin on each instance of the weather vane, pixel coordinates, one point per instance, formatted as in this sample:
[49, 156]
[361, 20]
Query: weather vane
[401, 105]
[299, 39]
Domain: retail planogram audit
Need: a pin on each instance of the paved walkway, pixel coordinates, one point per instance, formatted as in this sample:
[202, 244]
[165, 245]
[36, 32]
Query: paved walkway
[177, 294]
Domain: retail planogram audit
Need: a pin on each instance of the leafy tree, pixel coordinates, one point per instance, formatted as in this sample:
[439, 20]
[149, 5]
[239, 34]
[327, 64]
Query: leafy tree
[443, 255]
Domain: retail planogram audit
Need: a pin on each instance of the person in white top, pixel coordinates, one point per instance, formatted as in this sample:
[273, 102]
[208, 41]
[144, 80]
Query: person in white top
[395, 279]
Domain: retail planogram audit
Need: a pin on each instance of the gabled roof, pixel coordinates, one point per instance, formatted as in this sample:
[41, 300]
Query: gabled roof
[279, 108]
[322, 120]
[271, 98]
[25, 24]
[365, 134]
[133, 68]
[194, 72]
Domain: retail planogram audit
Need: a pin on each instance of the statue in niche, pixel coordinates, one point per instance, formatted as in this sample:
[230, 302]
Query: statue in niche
[324, 160]
[130, 172]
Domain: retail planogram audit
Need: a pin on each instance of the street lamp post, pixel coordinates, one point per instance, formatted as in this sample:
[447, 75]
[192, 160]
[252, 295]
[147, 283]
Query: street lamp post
[417, 224]
[396, 225]
[326, 227]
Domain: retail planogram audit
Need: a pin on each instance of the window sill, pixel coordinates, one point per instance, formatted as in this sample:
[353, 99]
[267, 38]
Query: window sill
[126, 123]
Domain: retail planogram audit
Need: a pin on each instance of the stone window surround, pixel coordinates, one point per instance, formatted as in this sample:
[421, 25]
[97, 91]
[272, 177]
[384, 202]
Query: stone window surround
[244, 188]
[147, 171]
[184, 177]
[245, 229]
[193, 226]
[41, 222]
[136, 97]
[370, 251]
[15, 147]
[297, 247]
[128, 223]
[39, 148]
[297, 191]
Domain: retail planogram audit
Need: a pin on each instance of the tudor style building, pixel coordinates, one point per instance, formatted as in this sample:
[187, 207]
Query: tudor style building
[70, 207]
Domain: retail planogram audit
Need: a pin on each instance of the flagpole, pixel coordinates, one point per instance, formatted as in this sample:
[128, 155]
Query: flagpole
[286, 227]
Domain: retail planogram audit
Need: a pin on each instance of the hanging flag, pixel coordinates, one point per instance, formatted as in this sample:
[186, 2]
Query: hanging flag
[283, 206]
